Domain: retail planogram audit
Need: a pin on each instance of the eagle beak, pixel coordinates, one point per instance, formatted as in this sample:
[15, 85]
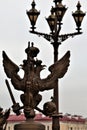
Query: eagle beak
[43, 66]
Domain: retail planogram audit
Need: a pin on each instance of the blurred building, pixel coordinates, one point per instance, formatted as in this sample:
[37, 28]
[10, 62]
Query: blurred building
[67, 122]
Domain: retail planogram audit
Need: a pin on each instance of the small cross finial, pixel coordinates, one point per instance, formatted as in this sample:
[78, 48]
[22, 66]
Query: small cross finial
[28, 44]
[32, 44]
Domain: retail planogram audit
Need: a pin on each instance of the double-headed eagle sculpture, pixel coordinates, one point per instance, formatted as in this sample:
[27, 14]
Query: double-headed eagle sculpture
[31, 84]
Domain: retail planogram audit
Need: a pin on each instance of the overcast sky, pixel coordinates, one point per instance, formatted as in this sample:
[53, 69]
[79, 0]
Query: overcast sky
[14, 37]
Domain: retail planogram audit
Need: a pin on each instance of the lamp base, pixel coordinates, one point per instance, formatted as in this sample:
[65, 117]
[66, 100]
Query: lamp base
[29, 125]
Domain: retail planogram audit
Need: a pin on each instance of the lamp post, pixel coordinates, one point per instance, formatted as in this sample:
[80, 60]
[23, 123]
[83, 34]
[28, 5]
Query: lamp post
[33, 15]
[55, 23]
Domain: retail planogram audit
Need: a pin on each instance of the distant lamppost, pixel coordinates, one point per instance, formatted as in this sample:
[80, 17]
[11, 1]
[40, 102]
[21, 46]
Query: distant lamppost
[55, 22]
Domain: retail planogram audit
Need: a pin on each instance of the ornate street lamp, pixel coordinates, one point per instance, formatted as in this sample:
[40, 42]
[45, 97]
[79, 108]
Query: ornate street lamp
[33, 15]
[51, 21]
[59, 10]
[54, 21]
[78, 16]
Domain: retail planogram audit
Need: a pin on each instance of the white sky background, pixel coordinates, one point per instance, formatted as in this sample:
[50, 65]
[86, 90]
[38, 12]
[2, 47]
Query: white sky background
[14, 37]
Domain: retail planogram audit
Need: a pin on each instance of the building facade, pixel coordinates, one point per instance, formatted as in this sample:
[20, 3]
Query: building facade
[66, 122]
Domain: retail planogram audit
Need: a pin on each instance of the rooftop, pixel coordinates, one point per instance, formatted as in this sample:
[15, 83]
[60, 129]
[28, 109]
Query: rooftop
[40, 117]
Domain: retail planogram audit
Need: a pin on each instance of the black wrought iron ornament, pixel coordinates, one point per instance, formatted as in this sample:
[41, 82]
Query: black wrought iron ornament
[31, 84]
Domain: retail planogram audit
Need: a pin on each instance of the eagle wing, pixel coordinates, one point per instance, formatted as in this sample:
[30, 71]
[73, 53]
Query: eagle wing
[58, 70]
[11, 70]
